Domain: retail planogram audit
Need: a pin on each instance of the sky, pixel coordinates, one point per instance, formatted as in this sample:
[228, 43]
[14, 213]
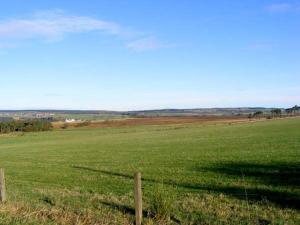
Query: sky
[149, 54]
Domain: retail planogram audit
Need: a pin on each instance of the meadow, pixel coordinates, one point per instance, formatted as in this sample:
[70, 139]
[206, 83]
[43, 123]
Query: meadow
[227, 173]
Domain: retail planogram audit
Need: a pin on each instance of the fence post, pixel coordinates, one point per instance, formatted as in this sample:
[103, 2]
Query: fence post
[138, 198]
[2, 186]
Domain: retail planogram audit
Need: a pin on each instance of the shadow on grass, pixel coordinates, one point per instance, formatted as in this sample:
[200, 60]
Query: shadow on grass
[122, 208]
[282, 181]
[275, 175]
[123, 175]
[104, 172]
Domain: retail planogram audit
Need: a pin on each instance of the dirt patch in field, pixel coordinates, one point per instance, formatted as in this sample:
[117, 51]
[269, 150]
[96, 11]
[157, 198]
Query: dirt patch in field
[163, 120]
[156, 121]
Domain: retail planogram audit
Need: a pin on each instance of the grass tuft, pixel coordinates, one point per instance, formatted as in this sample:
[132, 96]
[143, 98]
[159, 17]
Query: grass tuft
[162, 202]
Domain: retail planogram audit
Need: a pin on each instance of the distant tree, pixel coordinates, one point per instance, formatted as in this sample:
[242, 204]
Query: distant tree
[25, 125]
[250, 115]
[258, 114]
[293, 110]
[296, 109]
[276, 112]
[289, 111]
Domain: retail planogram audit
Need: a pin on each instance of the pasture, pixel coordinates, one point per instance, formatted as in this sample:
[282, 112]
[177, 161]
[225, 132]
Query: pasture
[223, 173]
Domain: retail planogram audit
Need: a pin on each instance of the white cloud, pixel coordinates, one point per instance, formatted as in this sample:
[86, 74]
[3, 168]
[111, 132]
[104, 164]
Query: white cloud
[283, 7]
[55, 25]
[148, 43]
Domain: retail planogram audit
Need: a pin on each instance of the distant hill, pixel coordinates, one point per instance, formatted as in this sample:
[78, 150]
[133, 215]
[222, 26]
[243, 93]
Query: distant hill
[103, 114]
[200, 111]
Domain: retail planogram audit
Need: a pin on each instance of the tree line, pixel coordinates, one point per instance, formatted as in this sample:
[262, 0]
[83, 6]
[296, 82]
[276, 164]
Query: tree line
[293, 111]
[33, 125]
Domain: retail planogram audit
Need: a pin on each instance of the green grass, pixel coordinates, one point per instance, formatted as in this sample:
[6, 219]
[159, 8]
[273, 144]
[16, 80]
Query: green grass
[246, 173]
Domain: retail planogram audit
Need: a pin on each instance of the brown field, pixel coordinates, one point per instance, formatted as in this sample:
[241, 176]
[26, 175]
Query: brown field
[156, 121]
[163, 120]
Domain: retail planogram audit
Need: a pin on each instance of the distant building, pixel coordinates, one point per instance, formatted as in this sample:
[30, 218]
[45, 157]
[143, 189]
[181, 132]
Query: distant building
[70, 120]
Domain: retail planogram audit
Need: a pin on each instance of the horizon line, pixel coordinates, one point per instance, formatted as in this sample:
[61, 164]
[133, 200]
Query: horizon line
[136, 110]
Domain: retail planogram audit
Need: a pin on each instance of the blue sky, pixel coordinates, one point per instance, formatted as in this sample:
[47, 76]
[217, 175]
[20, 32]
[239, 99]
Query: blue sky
[145, 54]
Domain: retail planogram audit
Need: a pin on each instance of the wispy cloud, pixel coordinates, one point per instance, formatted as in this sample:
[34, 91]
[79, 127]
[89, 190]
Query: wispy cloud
[283, 7]
[54, 25]
[145, 44]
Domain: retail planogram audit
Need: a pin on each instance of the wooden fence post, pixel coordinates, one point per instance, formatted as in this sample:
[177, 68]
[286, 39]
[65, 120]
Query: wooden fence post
[2, 186]
[138, 198]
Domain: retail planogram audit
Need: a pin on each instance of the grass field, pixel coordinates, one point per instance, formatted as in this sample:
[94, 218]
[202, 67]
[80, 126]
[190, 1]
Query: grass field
[247, 173]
